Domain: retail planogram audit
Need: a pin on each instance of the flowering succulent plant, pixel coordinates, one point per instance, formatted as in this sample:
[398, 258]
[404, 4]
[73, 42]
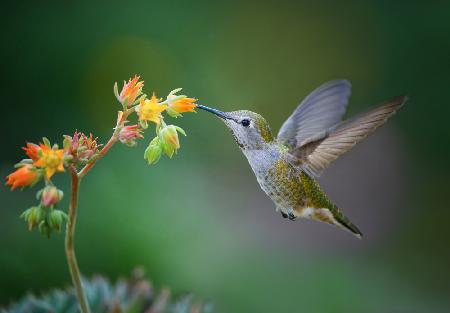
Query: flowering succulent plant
[79, 153]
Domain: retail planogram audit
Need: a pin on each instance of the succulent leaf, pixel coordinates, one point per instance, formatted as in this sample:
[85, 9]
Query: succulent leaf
[135, 295]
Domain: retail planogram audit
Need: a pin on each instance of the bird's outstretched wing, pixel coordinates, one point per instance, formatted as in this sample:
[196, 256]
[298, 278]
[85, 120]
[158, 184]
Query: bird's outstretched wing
[319, 112]
[315, 156]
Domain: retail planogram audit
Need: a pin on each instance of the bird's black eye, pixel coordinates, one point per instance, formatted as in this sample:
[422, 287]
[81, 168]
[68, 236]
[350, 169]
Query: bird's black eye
[245, 122]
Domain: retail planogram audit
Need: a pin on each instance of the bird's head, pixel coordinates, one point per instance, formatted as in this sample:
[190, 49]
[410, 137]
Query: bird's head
[249, 129]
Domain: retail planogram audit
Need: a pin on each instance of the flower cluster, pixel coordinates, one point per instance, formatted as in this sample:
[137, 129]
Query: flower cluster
[80, 152]
[151, 110]
[81, 148]
[44, 161]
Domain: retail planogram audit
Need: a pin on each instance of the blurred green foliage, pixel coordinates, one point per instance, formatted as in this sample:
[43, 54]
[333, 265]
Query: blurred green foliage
[199, 222]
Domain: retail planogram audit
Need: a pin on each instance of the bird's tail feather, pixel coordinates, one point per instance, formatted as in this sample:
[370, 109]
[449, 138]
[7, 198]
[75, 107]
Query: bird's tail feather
[345, 223]
[320, 208]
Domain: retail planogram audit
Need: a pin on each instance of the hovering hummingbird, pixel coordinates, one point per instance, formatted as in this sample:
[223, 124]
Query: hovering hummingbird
[307, 143]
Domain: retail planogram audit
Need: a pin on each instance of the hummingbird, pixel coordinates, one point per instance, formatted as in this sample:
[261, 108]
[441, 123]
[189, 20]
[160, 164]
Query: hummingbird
[286, 166]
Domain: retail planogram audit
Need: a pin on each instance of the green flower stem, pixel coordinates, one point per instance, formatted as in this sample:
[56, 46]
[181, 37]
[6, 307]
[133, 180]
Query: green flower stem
[69, 243]
[72, 217]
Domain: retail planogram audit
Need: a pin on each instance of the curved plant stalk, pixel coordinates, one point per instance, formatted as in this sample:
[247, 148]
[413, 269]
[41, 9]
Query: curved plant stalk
[72, 216]
[45, 160]
[69, 243]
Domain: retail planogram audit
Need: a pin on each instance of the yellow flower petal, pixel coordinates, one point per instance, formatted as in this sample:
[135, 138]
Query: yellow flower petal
[49, 171]
[51, 160]
[150, 110]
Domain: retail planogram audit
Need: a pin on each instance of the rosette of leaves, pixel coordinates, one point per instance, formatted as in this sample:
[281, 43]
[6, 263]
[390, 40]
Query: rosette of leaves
[135, 295]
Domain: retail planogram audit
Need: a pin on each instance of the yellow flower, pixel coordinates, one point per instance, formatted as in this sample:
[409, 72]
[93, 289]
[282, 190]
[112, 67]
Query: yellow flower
[51, 160]
[150, 110]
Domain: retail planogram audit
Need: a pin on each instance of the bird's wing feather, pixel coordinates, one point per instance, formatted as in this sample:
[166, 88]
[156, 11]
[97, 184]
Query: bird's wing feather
[319, 111]
[315, 156]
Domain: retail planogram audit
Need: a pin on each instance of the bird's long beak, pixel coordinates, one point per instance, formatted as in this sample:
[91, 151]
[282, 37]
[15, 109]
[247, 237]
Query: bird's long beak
[220, 114]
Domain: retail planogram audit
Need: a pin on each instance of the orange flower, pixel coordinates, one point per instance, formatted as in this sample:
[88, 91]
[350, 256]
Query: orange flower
[179, 103]
[51, 160]
[32, 151]
[150, 110]
[22, 177]
[183, 105]
[130, 91]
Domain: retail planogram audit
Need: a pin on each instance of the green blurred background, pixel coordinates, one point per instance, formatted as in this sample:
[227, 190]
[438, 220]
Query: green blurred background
[199, 222]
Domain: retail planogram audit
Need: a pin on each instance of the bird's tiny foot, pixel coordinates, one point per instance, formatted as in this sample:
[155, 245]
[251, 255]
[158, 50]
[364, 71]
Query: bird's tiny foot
[291, 216]
[284, 215]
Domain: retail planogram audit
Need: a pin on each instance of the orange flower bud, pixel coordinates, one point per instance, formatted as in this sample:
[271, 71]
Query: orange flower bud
[32, 151]
[130, 91]
[22, 177]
